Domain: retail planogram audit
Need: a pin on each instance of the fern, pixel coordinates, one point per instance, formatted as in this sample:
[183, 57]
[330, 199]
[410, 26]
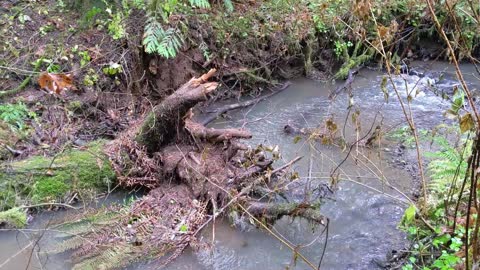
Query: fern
[200, 3]
[160, 36]
[110, 258]
[444, 165]
[228, 5]
[68, 244]
[165, 43]
[170, 44]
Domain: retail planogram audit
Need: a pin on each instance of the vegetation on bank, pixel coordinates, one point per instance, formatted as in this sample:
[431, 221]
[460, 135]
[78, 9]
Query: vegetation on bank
[437, 246]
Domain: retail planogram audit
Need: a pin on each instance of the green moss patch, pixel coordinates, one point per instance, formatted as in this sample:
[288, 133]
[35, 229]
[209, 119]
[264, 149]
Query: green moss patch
[54, 179]
[15, 217]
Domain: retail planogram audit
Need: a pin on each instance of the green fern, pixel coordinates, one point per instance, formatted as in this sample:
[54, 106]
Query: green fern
[110, 258]
[165, 43]
[228, 5]
[199, 3]
[444, 165]
[68, 244]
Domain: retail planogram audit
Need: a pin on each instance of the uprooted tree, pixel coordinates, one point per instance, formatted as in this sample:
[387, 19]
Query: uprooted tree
[194, 174]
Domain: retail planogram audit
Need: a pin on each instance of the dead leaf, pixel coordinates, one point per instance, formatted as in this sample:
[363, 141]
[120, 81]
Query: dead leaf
[55, 83]
[466, 123]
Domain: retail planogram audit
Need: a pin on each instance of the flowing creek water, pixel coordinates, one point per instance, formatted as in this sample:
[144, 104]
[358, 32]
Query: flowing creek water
[363, 222]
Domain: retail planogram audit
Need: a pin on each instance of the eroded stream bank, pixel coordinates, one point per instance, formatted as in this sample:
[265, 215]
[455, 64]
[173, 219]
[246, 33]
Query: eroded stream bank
[363, 222]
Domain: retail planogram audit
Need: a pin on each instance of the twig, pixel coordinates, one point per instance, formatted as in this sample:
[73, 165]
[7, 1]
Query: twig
[24, 84]
[286, 165]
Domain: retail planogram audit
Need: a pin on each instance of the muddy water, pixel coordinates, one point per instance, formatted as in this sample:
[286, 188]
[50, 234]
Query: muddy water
[363, 221]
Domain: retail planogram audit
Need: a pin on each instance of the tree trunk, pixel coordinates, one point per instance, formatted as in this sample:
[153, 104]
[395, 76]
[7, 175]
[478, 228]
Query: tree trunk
[165, 121]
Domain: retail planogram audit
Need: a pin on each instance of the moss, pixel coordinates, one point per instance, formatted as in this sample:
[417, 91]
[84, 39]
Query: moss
[74, 106]
[15, 217]
[352, 63]
[50, 189]
[51, 179]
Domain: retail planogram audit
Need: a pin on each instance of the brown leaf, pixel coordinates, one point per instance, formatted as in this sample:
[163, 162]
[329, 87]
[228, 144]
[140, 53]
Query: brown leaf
[55, 83]
[466, 123]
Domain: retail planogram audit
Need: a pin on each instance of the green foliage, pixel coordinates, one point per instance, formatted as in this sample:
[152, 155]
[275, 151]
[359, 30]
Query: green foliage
[90, 15]
[425, 245]
[15, 217]
[439, 249]
[112, 69]
[199, 3]
[85, 58]
[166, 43]
[405, 136]
[91, 78]
[228, 5]
[458, 102]
[116, 28]
[162, 37]
[444, 165]
[341, 47]
[409, 215]
[15, 115]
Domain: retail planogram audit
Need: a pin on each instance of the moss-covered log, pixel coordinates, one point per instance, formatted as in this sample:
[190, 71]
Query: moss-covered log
[39, 179]
[352, 62]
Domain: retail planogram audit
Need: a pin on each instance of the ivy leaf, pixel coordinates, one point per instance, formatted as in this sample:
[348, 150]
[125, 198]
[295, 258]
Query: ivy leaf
[409, 214]
[466, 123]
[458, 100]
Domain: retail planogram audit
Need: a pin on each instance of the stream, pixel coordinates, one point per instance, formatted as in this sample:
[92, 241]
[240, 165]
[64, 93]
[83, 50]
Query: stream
[364, 212]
